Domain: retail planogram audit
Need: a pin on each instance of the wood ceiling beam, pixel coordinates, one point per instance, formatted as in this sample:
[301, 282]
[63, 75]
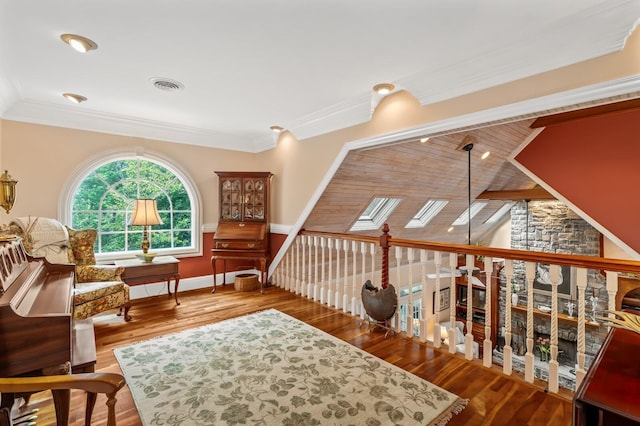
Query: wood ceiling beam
[562, 117]
[536, 193]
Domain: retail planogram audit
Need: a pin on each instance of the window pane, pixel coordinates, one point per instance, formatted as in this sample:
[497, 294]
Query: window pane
[182, 239]
[104, 201]
[111, 243]
[89, 194]
[182, 220]
[113, 221]
[85, 220]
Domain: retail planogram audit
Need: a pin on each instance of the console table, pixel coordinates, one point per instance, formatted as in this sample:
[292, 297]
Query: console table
[162, 268]
[610, 391]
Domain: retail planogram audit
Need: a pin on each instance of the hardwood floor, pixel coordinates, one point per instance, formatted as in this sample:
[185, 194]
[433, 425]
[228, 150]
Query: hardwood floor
[493, 398]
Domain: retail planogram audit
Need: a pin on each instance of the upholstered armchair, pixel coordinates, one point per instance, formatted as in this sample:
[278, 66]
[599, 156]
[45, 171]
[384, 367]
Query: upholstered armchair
[98, 288]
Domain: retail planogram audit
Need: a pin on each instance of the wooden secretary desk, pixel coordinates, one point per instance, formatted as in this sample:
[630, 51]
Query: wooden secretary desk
[243, 225]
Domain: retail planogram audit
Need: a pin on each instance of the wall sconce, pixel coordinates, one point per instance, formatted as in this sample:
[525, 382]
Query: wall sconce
[8, 191]
[145, 213]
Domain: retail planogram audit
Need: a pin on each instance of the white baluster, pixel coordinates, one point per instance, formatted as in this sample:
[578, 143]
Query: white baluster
[468, 338]
[437, 334]
[338, 297]
[612, 290]
[581, 282]
[372, 251]
[314, 290]
[363, 252]
[323, 283]
[508, 350]
[309, 289]
[398, 253]
[330, 292]
[298, 281]
[554, 272]
[529, 358]
[410, 259]
[487, 348]
[354, 252]
[453, 265]
[345, 281]
[303, 282]
[289, 285]
[426, 317]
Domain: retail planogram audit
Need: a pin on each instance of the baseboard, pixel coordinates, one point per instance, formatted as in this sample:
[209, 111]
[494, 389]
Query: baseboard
[186, 284]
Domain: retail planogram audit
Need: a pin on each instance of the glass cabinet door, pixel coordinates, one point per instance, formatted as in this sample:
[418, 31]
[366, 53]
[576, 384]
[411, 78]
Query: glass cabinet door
[254, 199]
[231, 196]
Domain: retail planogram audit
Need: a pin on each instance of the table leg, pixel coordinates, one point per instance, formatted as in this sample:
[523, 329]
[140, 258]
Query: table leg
[263, 266]
[213, 266]
[175, 288]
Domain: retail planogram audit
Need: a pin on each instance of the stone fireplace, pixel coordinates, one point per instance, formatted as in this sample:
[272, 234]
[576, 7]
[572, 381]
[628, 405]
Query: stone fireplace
[550, 226]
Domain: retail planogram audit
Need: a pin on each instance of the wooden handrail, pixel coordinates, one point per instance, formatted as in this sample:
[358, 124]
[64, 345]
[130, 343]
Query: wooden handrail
[93, 383]
[589, 262]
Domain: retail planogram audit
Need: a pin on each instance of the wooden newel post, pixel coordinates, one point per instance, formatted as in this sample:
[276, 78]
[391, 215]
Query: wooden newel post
[384, 243]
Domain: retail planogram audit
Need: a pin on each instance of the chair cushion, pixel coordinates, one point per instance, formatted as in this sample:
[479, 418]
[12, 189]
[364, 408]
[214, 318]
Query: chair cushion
[86, 292]
[82, 246]
[85, 307]
[89, 273]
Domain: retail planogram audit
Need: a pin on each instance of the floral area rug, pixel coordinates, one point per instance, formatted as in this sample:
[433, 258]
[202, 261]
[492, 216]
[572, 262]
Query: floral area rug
[269, 369]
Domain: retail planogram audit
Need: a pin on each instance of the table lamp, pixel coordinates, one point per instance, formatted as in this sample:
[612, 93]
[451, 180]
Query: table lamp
[145, 213]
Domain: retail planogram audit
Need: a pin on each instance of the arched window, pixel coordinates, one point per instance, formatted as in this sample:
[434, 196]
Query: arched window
[103, 195]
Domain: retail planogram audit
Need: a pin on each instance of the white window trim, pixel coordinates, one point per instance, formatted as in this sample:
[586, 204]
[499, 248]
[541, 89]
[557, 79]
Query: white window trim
[381, 213]
[76, 178]
[476, 206]
[430, 210]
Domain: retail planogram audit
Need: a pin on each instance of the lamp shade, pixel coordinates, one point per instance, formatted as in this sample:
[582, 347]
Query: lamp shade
[145, 212]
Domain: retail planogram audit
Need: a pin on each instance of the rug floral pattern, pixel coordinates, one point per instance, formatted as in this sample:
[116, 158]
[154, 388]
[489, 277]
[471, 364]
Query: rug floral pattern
[271, 369]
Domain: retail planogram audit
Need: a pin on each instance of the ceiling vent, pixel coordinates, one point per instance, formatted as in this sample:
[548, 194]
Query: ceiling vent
[167, 84]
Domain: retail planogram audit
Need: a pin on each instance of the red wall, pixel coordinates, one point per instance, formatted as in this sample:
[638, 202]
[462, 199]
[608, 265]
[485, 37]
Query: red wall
[594, 163]
[201, 266]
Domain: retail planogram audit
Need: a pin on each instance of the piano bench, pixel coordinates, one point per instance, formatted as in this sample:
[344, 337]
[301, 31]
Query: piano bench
[83, 357]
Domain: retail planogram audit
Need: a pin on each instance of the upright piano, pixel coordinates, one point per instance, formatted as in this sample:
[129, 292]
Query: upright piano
[36, 317]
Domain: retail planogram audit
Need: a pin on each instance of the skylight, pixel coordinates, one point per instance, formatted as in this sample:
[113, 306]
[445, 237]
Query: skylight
[426, 213]
[476, 206]
[376, 214]
[499, 214]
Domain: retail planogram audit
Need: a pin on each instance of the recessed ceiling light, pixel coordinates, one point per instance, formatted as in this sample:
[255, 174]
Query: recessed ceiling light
[74, 98]
[485, 155]
[383, 88]
[450, 229]
[79, 43]
[277, 129]
[424, 140]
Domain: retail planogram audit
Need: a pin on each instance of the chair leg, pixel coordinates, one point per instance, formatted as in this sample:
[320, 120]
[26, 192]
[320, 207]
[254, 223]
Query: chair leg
[61, 401]
[126, 308]
[91, 403]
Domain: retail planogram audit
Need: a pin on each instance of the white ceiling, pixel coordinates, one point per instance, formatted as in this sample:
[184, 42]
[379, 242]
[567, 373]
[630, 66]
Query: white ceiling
[305, 65]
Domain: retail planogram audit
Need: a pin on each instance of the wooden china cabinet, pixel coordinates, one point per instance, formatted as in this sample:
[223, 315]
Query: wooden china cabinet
[243, 225]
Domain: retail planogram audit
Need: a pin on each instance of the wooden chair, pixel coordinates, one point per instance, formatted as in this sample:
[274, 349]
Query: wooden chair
[92, 383]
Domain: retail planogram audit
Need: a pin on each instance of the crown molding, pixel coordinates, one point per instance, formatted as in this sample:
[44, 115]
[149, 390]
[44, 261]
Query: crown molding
[525, 56]
[75, 117]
